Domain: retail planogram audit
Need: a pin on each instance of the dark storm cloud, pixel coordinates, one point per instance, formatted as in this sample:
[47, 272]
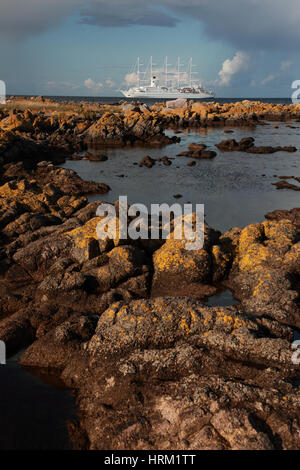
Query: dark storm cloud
[247, 24]
[21, 18]
[120, 13]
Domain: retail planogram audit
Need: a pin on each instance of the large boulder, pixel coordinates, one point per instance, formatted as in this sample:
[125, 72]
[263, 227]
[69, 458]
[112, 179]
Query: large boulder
[171, 374]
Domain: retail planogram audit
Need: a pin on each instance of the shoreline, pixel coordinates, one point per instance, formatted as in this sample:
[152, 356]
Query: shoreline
[84, 306]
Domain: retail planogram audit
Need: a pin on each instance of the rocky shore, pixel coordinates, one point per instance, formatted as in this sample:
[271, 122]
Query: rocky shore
[124, 322]
[48, 126]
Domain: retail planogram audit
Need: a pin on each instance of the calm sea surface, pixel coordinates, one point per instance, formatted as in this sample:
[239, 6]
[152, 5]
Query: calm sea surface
[236, 187]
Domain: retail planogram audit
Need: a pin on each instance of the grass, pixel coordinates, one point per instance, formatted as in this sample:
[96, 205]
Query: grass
[88, 111]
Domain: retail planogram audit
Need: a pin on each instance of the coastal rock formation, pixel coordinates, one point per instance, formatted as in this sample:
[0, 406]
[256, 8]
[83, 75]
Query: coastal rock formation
[130, 128]
[160, 373]
[172, 374]
[293, 215]
[285, 184]
[147, 162]
[247, 145]
[179, 271]
[124, 322]
[44, 126]
[265, 271]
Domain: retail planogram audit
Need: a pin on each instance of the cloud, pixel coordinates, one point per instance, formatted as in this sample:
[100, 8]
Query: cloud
[93, 86]
[131, 79]
[246, 24]
[61, 85]
[231, 67]
[110, 83]
[121, 13]
[19, 18]
[285, 65]
[268, 79]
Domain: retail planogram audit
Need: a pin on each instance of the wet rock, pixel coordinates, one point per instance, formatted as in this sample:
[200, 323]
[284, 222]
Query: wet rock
[166, 161]
[195, 146]
[198, 154]
[147, 162]
[95, 157]
[286, 185]
[233, 145]
[247, 145]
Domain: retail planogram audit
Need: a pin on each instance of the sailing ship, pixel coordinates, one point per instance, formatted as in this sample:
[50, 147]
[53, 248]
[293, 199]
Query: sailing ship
[176, 85]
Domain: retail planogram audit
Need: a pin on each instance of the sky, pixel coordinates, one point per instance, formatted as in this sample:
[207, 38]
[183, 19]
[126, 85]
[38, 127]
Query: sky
[241, 48]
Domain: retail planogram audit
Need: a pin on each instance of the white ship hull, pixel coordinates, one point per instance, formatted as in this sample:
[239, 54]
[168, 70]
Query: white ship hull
[157, 94]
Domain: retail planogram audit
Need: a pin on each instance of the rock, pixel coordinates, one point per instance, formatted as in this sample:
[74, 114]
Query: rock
[95, 157]
[147, 162]
[185, 368]
[262, 278]
[247, 145]
[176, 268]
[286, 185]
[166, 161]
[130, 128]
[233, 145]
[198, 154]
[293, 215]
[178, 103]
[195, 147]
[124, 320]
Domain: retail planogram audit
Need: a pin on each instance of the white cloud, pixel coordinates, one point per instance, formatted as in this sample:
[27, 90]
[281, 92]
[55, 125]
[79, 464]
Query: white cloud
[93, 86]
[231, 67]
[285, 65]
[61, 85]
[110, 83]
[131, 79]
[269, 78]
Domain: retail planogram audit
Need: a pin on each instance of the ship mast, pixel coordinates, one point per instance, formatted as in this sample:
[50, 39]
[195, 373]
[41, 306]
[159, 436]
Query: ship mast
[138, 71]
[166, 70]
[178, 71]
[191, 72]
